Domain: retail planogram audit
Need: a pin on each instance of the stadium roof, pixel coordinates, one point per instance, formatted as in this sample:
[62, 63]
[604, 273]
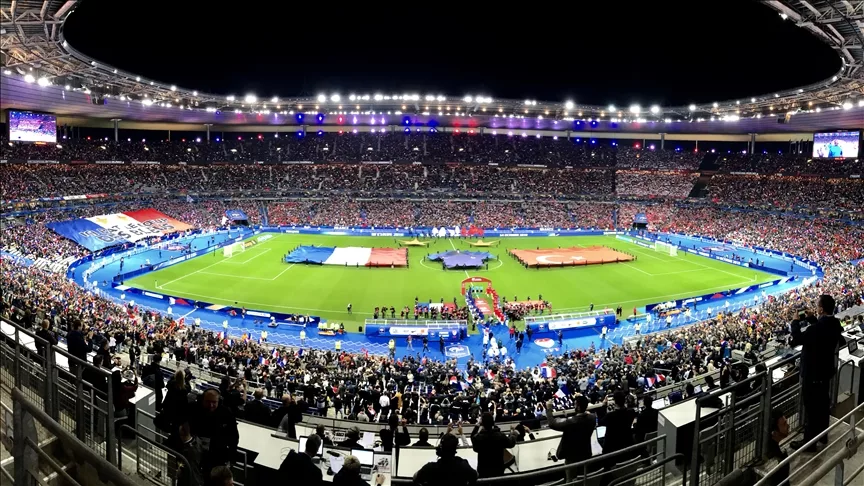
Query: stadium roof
[33, 50]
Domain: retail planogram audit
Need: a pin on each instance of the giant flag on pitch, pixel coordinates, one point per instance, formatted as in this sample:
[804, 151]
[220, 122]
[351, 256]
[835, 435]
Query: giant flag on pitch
[107, 230]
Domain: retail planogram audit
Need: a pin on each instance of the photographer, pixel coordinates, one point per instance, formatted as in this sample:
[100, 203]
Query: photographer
[820, 338]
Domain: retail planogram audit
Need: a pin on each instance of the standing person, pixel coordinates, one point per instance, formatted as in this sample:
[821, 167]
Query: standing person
[216, 426]
[47, 334]
[441, 343]
[490, 443]
[391, 347]
[820, 338]
[299, 466]
[425, 344]
[577, 431]
[449, 469]
[619, 425]
[349, 307]
[408, 340]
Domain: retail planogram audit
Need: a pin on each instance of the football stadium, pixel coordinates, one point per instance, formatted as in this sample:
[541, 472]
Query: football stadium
[348, 286]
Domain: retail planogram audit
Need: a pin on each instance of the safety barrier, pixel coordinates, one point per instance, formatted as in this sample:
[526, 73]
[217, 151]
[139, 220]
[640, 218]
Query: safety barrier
[155, 462]
[29, 456]
[732, 438]
[832, 458]
[738, 435]
[55, 380]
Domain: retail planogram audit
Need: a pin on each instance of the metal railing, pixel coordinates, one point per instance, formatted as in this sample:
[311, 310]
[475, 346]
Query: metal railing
[156, 462]
[29, 456]
[731, 436]
[849, 442]
[58, 383]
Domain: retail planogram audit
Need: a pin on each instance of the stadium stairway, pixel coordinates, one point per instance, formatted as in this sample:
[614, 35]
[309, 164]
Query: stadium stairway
[265, 217]
[709, 162]
[700, 188]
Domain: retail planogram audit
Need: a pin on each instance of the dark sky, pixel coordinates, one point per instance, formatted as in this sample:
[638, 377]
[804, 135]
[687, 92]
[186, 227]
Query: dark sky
[665, 52]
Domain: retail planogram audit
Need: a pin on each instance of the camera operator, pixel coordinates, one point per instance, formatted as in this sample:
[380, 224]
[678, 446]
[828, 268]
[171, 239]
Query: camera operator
[820, 338]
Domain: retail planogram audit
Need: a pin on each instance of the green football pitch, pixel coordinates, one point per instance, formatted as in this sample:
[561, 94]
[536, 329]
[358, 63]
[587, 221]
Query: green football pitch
[258, 278]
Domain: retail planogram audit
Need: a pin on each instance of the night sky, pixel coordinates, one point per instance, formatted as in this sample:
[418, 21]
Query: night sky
[669, 52]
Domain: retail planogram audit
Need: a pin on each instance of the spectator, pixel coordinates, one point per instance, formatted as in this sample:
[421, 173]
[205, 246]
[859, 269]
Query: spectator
[449, 469]
[490, 444]
[298, 466]
[216, 426]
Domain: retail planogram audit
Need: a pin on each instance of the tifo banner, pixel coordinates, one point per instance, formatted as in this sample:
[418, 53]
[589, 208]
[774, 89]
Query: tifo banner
[107, 230]
[351, 256]
[236, 215]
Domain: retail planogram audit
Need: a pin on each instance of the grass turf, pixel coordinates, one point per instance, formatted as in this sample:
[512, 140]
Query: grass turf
[258, 279]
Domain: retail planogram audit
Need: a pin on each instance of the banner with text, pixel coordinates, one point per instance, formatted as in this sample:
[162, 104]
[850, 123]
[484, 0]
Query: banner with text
[107, 230]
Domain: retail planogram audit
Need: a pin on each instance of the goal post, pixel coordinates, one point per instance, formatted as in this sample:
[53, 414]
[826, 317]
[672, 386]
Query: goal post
[667, 248]
[233, 248]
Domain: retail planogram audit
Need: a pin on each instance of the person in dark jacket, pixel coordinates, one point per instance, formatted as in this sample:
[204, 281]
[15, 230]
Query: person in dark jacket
[619, 425]
[298, 466]
[216, 426]
[820, 337]
[349, 475]
[152, 376]
[77, 344]
[779, 428]
[449, 469]
[490, 443]
[391, 435]
[256, 411]
[423, 437]
[319, 431]
[176, 403]
[646, 421]
[47, 334]
[290, 417]
[352, 439]
[577, 431]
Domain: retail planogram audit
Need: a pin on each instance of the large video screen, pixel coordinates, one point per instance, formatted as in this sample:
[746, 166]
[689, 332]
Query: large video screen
[26, 126]
[835, 145]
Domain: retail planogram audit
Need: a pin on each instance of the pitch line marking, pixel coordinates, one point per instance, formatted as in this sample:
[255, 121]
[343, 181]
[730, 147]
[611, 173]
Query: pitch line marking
[454, 247]
[189, 274]
[283, 271]
[638, 269]
[659, 297]
[235, 276]
[209, 266]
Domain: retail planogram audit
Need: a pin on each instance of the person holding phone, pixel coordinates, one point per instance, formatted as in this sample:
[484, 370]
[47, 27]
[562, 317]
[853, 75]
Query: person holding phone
[820, 337]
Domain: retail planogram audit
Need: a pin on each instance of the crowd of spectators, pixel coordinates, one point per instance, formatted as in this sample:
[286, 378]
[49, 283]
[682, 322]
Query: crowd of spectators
[788, 164]
[654, 183]
[787, 192]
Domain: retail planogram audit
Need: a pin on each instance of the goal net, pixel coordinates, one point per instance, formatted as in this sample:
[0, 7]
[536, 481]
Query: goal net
[671, 250]
[233, 248]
